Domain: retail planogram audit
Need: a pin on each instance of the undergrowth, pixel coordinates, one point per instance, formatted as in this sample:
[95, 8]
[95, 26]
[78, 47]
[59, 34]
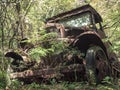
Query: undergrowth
[63, 85]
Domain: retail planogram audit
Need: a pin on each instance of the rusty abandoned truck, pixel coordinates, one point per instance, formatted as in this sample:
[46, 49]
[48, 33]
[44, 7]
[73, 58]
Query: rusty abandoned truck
[83, 30]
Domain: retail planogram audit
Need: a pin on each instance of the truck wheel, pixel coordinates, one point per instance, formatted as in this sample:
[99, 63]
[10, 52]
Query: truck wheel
[97, 67]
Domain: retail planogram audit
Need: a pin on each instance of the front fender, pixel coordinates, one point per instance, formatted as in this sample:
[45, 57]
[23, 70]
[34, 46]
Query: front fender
[88, 39]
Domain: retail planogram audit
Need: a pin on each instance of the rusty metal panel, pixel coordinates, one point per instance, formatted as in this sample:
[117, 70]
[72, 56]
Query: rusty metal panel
[79, 10]
[48, 73]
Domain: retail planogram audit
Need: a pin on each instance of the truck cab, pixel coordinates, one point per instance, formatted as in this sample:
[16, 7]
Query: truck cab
[82, 25]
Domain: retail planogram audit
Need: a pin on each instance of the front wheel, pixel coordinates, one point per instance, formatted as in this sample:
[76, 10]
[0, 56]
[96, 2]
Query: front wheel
[97, 67]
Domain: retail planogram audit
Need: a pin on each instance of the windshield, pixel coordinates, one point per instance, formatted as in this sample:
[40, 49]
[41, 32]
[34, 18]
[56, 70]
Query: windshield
[77, 21]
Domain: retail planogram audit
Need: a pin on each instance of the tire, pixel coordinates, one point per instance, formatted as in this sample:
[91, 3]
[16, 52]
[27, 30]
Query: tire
[97, 66]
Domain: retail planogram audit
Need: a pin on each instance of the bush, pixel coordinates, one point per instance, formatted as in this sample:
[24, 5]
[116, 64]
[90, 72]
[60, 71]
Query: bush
[2, 80]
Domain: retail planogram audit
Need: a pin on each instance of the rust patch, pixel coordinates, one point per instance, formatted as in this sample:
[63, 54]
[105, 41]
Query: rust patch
[77, 11]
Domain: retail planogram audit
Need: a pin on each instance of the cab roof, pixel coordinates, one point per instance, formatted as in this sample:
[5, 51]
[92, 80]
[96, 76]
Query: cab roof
[74, 12]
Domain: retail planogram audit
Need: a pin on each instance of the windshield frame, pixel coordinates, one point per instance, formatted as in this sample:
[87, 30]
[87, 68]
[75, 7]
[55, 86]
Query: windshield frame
[77, 16]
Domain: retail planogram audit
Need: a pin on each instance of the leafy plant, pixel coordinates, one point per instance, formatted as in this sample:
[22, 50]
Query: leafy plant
[2, 80]
[47, 45]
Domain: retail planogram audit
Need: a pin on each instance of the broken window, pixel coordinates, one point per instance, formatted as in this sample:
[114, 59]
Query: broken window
[77, 21]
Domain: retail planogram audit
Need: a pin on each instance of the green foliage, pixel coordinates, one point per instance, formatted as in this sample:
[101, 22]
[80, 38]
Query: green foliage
[48, 37]
[2, 80]
[25, 18]
[48, 45]
[62, 86]
[15, 85]
[58, 46]
[39, 52]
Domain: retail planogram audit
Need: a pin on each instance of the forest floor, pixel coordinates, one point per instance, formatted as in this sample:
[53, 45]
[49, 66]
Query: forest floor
[16, 85]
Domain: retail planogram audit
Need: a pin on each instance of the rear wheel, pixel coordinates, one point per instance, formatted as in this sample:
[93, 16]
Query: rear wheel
[97, 67]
